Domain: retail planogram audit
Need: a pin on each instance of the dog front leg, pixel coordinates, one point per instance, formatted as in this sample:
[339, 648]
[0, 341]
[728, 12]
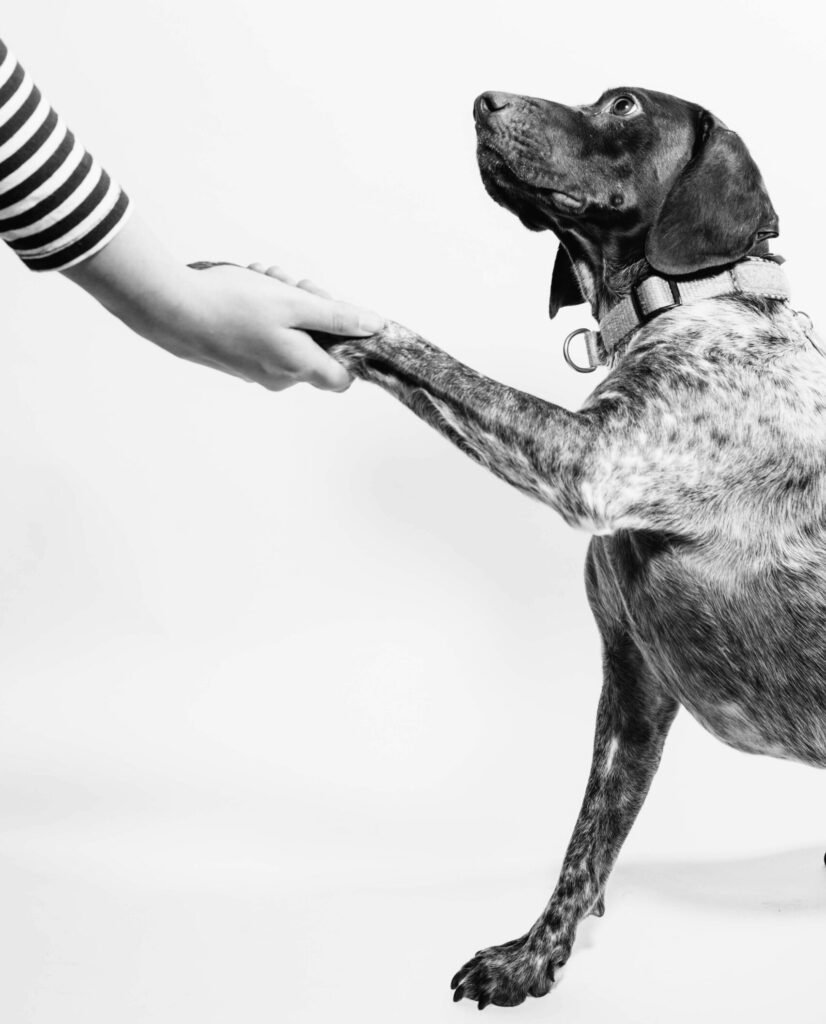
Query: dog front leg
[533, 445]
[632, 723]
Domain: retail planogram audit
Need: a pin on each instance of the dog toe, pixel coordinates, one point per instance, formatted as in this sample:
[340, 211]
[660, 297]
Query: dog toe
[506, 975]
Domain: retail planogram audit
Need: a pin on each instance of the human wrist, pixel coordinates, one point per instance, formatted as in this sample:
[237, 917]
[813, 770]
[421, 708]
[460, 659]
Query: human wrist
[138, 281]
[171, 312]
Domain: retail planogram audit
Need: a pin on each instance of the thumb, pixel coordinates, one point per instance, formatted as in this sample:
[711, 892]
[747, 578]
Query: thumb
[316, 313]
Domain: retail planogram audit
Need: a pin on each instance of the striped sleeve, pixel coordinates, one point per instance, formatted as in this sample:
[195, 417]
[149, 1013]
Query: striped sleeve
[58, 206]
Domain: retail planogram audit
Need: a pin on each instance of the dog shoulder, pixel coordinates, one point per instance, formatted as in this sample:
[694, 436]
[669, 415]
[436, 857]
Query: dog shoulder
[721, 403]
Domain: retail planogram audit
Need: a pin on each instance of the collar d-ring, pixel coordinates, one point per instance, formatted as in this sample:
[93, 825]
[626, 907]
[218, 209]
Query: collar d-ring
[591, 349]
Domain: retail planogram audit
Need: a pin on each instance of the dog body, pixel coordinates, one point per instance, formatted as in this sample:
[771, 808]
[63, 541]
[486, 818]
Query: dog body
[698, 463]
[713, 490]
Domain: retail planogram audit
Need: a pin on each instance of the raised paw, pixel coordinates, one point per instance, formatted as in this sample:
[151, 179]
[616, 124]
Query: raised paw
[391, 348]
[506, 975]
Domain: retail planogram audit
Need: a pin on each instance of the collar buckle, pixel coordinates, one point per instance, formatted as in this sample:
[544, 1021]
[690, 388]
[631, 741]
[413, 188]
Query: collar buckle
[655, 309]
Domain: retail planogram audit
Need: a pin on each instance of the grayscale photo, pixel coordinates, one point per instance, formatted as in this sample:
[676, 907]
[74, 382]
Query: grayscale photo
[413, 570]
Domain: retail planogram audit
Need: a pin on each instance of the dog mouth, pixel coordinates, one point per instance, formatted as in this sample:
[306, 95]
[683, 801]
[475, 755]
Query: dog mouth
[566, 200]
[522, 191]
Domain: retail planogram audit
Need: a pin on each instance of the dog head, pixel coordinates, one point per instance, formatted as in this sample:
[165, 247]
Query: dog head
[636, 175]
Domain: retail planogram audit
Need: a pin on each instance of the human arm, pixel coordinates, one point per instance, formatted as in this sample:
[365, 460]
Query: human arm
[60, 210]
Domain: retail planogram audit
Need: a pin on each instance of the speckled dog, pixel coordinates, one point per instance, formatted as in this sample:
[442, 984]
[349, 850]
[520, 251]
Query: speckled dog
[698, 463]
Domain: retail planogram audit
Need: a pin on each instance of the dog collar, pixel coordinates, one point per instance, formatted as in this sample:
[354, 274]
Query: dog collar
[657, 294]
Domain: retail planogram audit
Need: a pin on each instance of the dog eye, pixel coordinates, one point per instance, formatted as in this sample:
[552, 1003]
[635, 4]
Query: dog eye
[623, 105]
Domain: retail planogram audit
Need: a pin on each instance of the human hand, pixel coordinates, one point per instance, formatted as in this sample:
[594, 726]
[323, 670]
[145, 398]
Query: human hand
[258, 329]
[252, 325]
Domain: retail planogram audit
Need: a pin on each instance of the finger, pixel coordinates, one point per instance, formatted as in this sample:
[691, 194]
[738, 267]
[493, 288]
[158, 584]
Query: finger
[313, 288]
[318, 314]
[281, 275]
[329, 376]
[313, 365]
[277, 383]
[337, 379]
[273, 271]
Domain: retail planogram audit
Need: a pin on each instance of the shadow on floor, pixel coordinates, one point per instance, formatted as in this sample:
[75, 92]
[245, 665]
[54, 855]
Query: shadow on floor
[790, 881]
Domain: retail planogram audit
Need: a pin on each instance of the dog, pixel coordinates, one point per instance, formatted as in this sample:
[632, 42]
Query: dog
[698, 463]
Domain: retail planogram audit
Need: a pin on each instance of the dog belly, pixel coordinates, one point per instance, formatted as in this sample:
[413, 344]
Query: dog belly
[758, 730]
[757, 684]
[745, 656]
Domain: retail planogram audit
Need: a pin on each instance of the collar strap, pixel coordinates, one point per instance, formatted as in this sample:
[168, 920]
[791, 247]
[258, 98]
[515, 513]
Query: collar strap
[656, 294]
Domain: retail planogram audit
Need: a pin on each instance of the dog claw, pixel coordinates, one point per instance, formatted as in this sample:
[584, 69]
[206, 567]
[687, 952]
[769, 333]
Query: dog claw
[506, 975]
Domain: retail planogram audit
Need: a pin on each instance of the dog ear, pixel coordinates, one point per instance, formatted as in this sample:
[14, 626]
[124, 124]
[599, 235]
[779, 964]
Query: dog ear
[565, 290]
[717, 210]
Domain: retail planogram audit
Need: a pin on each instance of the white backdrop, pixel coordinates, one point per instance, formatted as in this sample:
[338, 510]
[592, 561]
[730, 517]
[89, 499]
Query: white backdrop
[296, 702]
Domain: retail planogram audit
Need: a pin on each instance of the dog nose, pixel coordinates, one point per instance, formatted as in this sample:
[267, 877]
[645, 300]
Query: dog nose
[490, 103]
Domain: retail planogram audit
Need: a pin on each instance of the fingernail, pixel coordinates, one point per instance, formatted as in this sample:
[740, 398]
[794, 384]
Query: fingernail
[370, 322]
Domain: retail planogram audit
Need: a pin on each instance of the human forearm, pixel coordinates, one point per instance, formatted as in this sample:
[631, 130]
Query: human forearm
[138, 281]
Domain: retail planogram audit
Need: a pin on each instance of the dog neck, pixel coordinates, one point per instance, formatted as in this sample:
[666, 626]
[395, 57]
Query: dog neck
[606, 271]
[757, 276]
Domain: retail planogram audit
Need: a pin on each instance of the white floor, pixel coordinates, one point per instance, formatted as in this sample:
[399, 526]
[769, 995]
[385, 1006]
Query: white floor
[142, 927]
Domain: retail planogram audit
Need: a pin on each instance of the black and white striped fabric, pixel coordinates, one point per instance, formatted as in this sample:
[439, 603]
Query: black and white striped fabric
[57, 205]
